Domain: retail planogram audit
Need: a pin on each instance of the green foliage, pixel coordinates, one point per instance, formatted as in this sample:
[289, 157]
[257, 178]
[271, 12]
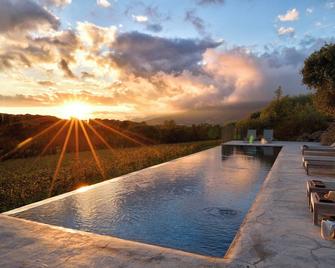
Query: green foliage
[15, 129]
[279, 93]
[23, 181]
[290, 117]
[328, 137]
[319, 74]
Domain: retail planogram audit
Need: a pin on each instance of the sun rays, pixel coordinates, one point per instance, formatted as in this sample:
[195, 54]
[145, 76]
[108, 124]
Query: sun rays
[76, 131]
[61, 157]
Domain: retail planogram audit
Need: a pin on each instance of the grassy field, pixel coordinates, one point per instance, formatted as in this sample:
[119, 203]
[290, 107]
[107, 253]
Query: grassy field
[23, 181]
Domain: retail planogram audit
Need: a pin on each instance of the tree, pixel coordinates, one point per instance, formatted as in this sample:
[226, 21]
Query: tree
[279, 93]
[319, 74]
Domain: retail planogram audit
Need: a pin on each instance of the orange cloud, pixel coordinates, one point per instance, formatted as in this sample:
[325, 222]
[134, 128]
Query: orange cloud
[235, 68]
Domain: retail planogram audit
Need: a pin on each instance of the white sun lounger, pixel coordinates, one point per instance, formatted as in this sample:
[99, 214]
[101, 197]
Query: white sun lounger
[251, 135]
[267, 135]
[319, 164]
[307, 148]
[318, 158]
[321, 209]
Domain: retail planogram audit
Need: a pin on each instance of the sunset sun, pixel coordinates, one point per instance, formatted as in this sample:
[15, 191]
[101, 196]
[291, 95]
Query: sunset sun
[76, 109]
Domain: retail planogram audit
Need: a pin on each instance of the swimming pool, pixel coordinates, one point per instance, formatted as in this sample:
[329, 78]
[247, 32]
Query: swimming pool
[195, 203]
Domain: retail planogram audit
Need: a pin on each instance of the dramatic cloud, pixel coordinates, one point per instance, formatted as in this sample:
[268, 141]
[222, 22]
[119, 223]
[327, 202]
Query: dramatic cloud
[196, 21]
[133, 73]
[291, 15]
[210, 2]
[145, 54]
[289, 31]
[23, 15]
[103, 3]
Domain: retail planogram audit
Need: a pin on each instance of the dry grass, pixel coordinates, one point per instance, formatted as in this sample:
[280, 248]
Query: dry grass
[23, 181]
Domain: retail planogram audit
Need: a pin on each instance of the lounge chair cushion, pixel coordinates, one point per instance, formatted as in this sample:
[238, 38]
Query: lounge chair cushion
[327, 229]
[330, 195]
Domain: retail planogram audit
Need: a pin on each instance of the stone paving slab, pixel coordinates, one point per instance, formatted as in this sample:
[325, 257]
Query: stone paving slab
[277, 232]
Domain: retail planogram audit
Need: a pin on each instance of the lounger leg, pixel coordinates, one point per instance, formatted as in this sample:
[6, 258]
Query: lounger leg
[315, 216]
[307, 169]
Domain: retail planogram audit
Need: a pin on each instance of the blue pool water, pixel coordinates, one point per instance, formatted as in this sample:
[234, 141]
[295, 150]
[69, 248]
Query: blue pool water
[195, 203]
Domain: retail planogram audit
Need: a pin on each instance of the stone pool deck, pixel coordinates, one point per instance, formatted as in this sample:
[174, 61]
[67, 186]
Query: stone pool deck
[278, 231]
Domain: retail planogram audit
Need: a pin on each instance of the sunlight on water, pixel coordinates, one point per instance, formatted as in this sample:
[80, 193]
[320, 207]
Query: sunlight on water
[195, 204]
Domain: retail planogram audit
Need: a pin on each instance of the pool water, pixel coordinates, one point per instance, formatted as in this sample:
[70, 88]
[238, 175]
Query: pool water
[196, 203]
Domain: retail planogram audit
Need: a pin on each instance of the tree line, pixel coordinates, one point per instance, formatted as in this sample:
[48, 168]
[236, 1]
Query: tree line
[117, 134]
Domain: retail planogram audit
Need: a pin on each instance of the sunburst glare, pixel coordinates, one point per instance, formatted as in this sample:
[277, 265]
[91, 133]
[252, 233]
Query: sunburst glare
[76, 110]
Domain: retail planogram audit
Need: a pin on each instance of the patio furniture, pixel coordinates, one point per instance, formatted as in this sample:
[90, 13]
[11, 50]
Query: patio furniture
[251, 135]
[318, 164]
[321, 207]
[320, 187]
[267, 136]
[319, 153]
[328, 229]
[320, 148]
[318, 158]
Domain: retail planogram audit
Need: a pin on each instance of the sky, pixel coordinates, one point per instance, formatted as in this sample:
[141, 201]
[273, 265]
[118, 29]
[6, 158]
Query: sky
[135, 59]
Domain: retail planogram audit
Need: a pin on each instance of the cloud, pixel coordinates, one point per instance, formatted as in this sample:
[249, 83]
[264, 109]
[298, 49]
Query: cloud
[8, 60]
[57, 3]
[151, 11]
[197, 22]
[65, 67]
[46, 83]
[86, 75]
[154, 27]
[140, 18]
[141, 72]
[309, 10]
[24, 15]
[210, 2]
[288, 31]
[96, 36]
[330, 4]
[154, 13]
[291, 15]
[20, 100]
[52, 47]
[103, 3]
[145, 54]
[54, 98]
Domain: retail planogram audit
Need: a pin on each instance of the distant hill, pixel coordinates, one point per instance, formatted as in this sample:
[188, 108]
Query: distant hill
[211, 115]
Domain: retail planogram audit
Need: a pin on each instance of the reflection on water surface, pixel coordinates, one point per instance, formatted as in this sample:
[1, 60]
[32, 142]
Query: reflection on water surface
[195, 203]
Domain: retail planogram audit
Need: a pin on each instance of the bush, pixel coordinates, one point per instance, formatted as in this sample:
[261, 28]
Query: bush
[291, 118]
[328, 137]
